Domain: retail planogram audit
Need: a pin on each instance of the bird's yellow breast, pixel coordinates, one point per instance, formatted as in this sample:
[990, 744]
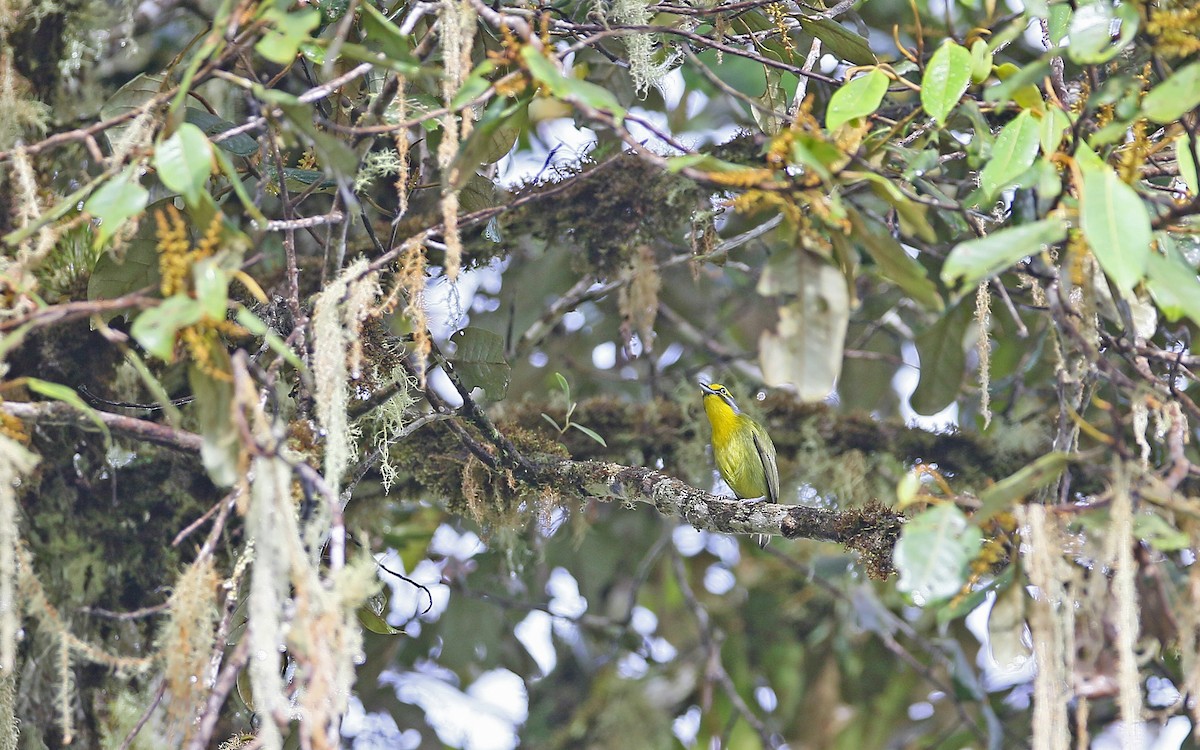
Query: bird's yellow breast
[734, 451]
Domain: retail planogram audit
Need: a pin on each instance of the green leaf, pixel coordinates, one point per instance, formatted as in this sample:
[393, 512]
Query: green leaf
[943, 361]
[570, 89]
[1187, 164]
[219, 451]
[137, 269]
[384, 36]
[1014, 151]
[117, 200]
[981, 61]
[479, 361]
[912, 215]
[212, 126]
[1008, 491]
[475, 85]
[184, 161]
[1169, 100]
[805, 347]
[492, 137]
[212, 287]
[155, 328]
[840, 41]
[68, 396]
[963, 606]
[945, 80]
[1090, 31]
[1114, 221]
[134, 95]
[289, 30]
[367, 617]
[857, 98]
[1053, 126]
[973, 261]
[1154, 530]
[894, 263]
[1174, 287]
[933, 553]
[1018, 84]
[590, 433]
[563, 386]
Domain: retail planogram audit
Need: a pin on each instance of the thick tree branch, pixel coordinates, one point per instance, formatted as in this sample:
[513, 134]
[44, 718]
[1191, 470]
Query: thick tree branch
[872, 530]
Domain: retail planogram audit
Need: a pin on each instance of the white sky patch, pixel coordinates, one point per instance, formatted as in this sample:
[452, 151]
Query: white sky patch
[408, 603]
[497, 704]
[718, 580]
[604, 356]
[687, 725]
[376, 731]
[449, 542]
[689, 540]
[565, 599]
[905, 383]
[534, 634]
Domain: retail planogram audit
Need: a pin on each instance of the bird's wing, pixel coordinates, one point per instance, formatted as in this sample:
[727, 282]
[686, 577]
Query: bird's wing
[766, 454]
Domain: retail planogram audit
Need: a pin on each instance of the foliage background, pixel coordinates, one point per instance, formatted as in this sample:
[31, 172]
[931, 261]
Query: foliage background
[350, 353]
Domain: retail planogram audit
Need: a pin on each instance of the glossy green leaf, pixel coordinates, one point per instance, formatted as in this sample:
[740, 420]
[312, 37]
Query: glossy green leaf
[945, 81]
[840, 41]
[479, 361]
[933, 553]
[184, 161]
[1169, 100]
[943, 360]
[213, 126]
[115, 202]
[1008, 491]
[981, 61]
[1014, 151]
[1053, 126]
[975, 260]
[1018, 84]
[857, 98]
[1117, 227]
[372, 621]
[155, 328]
[68, 396]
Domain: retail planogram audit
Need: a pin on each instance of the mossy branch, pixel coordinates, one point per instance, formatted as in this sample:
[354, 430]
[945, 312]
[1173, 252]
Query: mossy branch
[871, 531]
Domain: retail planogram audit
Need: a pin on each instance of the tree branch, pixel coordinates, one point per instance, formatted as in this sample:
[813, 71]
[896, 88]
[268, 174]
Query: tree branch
[871, 531]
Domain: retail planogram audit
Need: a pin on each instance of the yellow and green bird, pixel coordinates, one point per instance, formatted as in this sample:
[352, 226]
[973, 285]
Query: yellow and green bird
[742, 448]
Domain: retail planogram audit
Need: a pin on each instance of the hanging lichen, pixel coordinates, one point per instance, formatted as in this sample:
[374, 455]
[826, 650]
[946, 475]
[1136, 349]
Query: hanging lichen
[457, 36]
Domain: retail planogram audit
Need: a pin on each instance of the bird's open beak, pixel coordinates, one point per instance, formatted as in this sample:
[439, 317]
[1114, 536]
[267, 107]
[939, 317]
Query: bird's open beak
[706, 388]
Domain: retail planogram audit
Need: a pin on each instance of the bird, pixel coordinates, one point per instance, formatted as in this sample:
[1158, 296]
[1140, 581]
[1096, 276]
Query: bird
[742, 449]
